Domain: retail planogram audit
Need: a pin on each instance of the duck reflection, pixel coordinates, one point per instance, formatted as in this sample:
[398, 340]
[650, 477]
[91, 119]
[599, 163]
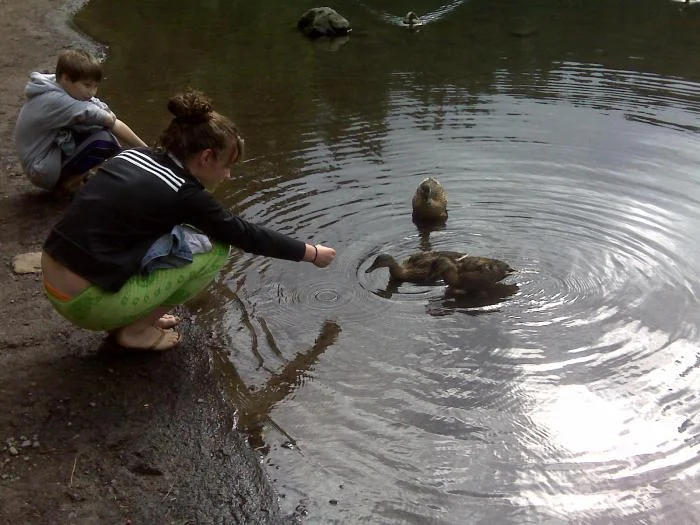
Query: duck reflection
[424, 231]
[471, 304]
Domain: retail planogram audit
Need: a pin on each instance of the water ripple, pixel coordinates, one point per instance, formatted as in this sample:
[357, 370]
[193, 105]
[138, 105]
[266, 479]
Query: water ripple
[570, 385]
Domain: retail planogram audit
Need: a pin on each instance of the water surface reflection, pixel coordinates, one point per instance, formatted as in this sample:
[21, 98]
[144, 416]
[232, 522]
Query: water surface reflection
[566, 136]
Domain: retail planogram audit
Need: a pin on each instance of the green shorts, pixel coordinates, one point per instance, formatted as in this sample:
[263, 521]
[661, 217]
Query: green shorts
[96, 309]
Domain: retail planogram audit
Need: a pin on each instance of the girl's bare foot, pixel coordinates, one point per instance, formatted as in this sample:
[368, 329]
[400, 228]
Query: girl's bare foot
[152, 338]
[168, 321]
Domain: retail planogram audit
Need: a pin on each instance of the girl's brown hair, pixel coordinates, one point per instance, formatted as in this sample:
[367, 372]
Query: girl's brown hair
[197, 127]
[77, 64]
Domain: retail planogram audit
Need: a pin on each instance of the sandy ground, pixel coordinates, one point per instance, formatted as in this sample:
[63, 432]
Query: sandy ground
[88, 434]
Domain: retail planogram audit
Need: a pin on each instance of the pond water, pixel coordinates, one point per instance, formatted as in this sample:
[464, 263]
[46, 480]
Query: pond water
[567, 137]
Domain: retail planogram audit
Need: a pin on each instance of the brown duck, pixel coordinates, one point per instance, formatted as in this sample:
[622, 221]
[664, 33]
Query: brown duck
[470, 274]
[429, 202]
[412, 20]
[418, 268]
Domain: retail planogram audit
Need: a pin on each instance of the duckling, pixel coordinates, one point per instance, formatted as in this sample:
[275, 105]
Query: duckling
[418, 268]
[470, 274]
[429, 202]
[412, 20]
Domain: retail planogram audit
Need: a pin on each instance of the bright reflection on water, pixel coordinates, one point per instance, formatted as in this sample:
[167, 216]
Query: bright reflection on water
[566, 395]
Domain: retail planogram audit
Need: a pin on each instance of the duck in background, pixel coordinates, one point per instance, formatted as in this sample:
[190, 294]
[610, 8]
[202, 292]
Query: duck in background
[418, 268]
[429, 203]
[412, 20]
[470, 274]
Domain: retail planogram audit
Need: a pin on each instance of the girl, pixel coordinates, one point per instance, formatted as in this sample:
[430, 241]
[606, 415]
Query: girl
[92, 259]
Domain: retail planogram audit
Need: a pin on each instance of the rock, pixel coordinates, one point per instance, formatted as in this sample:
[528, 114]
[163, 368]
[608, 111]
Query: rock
[323, 21]
[27, 263]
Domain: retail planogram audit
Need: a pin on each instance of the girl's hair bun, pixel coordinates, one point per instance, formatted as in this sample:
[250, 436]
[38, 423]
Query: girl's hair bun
[191, 107]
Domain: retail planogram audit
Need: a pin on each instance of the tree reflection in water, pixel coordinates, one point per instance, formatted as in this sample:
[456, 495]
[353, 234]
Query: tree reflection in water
[253, 406]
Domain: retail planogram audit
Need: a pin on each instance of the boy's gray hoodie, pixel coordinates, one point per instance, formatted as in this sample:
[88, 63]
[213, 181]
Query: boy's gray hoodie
[47, 113]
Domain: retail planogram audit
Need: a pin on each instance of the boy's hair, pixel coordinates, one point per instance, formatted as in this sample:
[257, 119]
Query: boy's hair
[77, 64]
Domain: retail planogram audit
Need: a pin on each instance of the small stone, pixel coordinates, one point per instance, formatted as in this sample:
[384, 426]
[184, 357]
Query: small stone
[26, 443]
[27, 263]
[13, 451]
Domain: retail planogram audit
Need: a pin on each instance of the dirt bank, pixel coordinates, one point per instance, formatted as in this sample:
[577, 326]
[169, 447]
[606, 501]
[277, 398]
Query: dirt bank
[87, 434]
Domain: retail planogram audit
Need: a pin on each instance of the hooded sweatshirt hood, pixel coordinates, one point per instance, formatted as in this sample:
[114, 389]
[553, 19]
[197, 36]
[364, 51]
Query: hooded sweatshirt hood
[40, 83]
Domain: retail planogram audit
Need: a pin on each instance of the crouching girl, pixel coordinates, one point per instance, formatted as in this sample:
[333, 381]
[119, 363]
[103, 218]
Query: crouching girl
[94, 259]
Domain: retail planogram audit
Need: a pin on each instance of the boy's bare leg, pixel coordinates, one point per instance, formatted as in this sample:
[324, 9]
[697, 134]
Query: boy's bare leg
[147, 333]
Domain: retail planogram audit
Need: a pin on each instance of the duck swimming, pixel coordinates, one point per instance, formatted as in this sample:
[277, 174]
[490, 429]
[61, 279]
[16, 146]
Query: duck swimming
[412, 20]
[418, 268]
[429, 202]
[470, 274]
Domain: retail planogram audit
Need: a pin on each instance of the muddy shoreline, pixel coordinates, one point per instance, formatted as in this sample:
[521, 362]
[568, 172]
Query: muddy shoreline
[87, 434]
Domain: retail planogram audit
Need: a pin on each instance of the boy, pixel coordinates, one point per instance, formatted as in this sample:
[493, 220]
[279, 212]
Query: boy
[63, 130]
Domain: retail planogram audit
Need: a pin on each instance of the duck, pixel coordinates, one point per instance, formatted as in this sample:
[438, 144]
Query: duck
[412, 20]
[429, 202]
[469, 274]
[418, 268]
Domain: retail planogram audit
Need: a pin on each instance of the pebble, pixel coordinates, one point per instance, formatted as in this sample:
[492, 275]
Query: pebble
[13, 451]
[27, 263]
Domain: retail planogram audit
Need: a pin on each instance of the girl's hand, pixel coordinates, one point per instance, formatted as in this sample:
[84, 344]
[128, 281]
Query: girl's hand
[319, 255]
